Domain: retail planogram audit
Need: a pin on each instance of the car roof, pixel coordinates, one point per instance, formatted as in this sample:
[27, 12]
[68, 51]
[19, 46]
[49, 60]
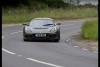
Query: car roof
[43, 18]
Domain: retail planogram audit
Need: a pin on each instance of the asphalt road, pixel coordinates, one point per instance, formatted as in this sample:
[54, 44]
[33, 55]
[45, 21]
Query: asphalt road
[17, 53]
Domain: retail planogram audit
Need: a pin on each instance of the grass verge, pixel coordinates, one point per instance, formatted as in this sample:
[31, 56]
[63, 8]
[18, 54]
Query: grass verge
[19, 15]
[90, 30]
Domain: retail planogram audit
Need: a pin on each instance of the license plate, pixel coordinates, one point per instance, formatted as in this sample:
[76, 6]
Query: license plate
[40, 35]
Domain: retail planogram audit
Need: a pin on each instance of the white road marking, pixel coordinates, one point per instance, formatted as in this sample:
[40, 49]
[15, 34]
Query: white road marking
[13, 32]
[20, 31]
[53, 65]
[3, 37]
[8, 51]
[19, 55]
[76, 46]
[84, 49]
[68, 39]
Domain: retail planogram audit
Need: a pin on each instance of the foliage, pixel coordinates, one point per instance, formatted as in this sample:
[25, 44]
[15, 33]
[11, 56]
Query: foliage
[34, 3]
[42, 4]
[90, 30]
[19, 15]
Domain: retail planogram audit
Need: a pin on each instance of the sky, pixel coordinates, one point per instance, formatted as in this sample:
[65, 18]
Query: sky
[86, 1]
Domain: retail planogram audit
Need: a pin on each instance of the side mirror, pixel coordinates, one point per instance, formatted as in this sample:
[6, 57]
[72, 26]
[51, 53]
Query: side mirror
[58, 23]
[25, 24]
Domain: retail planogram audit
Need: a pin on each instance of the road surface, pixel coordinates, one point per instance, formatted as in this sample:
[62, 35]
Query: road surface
[17, 53]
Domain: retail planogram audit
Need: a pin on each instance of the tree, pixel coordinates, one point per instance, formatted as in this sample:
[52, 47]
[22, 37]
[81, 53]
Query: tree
[34, 3]
[70, 1]
[78, 1]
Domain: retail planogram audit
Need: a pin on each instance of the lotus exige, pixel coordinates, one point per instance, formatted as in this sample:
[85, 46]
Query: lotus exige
[41, 28]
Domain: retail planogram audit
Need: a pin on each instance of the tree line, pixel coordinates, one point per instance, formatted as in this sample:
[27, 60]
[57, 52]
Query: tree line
[35, 3]
[42, 4]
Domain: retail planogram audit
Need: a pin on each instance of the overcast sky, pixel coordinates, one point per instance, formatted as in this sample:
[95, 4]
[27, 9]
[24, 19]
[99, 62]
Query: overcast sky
[86, 1]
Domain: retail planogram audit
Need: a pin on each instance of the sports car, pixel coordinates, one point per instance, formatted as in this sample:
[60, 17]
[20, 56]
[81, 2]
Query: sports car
[41, 28]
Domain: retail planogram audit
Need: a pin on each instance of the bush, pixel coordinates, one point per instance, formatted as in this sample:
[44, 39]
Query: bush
[18, 15]
[88, 5]
[71, 5]
[90, 30]
[37, 6]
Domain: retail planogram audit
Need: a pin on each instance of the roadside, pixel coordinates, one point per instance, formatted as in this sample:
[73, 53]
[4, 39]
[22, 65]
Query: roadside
[58, 20]
[14, 15]
[88, 37]
[91, 45]
[10, 24]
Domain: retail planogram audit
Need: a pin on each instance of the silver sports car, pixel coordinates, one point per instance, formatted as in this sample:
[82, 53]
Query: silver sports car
[41, 28]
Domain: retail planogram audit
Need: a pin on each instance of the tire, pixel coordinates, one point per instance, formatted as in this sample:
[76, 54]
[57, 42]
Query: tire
[56, 40]
[25, 39]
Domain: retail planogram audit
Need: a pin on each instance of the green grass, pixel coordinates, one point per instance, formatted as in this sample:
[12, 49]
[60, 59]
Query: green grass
[90, 30]
[20, 15]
